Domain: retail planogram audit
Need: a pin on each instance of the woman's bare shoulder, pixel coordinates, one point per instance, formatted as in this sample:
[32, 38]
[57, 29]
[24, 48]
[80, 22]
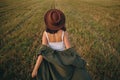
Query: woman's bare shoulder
[66, 40]
[66, 33]
[44, 33]
[44, 39]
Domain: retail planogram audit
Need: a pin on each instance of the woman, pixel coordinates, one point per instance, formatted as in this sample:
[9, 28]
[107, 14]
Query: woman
[57, 60]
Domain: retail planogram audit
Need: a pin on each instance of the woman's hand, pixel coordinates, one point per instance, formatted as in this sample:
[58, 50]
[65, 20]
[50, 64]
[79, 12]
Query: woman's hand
[34, 73]
[37, 65]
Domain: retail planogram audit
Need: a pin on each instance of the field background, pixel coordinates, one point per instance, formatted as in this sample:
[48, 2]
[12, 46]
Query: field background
[93, 27]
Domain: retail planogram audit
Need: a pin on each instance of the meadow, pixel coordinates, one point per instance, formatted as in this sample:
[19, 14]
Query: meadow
[93, 27]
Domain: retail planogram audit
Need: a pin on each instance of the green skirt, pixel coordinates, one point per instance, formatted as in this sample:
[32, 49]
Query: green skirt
[61, 65]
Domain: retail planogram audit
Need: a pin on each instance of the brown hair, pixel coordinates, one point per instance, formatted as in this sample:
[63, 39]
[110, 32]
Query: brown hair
[54, 31]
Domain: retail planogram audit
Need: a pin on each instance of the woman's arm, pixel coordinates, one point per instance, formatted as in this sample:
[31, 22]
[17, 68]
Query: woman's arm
[39, 58]
[37, 65]
[66, 40]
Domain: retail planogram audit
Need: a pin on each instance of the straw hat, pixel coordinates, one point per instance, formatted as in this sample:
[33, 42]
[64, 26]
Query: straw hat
[54, 19]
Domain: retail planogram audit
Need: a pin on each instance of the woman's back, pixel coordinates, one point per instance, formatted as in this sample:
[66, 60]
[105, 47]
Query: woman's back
[56, 40]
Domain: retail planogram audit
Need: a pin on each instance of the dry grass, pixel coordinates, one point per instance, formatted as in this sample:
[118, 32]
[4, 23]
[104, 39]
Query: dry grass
[93, 26]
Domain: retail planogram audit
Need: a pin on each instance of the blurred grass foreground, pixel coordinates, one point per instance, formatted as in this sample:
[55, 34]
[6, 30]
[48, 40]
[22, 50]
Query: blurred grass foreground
[93, 27]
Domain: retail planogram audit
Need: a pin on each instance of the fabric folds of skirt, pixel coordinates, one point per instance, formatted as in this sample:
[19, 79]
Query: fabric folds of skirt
[61, 65]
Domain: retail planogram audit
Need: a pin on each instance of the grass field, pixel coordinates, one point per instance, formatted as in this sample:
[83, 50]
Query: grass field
[93, 27]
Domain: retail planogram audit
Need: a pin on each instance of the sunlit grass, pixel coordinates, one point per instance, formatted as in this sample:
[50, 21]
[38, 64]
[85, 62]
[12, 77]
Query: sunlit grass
[93, 27]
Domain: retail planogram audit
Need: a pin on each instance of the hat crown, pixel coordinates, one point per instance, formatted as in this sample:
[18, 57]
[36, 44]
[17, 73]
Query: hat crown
[54, 19]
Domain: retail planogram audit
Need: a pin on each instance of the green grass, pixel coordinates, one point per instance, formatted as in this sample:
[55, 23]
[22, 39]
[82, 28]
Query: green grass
[93, 27]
